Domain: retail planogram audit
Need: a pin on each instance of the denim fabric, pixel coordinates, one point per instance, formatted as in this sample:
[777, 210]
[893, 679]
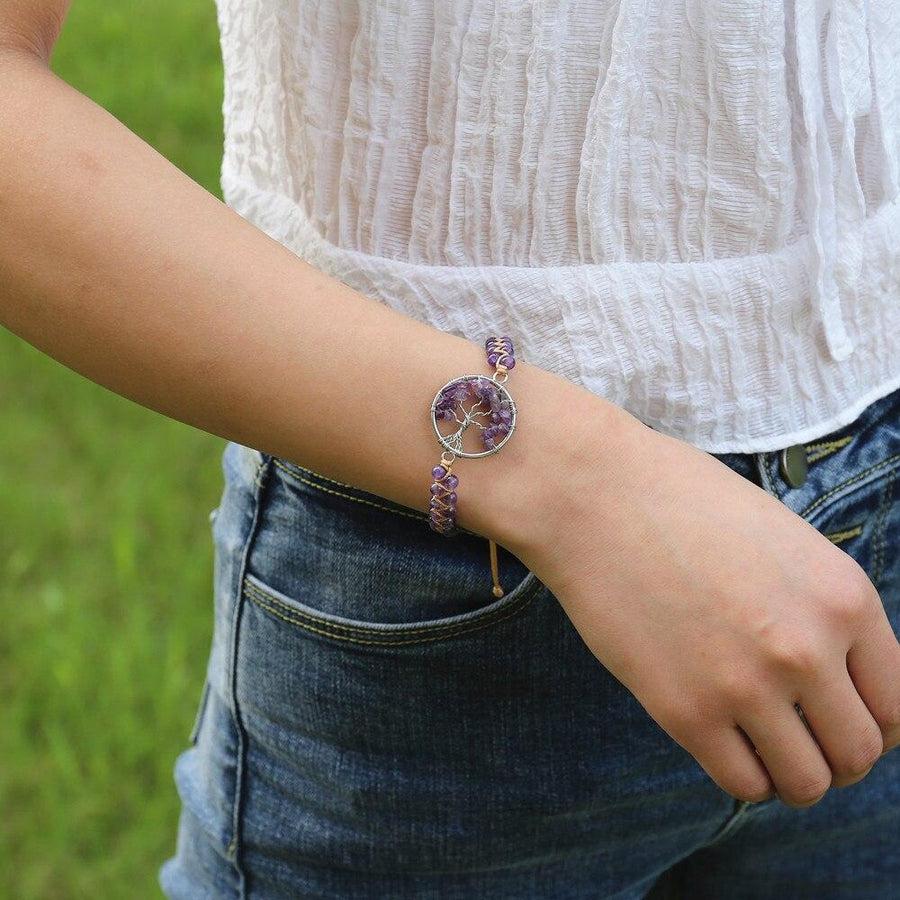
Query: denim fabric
[374, 724]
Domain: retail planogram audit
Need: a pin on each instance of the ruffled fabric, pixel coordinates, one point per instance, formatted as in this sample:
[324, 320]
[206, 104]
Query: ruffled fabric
[689, 208]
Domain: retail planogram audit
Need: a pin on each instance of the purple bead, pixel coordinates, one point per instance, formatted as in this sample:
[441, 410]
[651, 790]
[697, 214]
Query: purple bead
[509, 362]
[451, 498]
[452, 481]
[454, 394]
[438, 472]
[492, 358]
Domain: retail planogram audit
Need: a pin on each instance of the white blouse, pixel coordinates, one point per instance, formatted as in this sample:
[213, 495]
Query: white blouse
[689, 207]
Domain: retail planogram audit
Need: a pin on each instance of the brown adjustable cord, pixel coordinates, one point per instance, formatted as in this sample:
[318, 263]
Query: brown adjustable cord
[495, 570]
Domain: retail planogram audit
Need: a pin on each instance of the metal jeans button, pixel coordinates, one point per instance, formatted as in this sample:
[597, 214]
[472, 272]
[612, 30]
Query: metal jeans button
[794, 467]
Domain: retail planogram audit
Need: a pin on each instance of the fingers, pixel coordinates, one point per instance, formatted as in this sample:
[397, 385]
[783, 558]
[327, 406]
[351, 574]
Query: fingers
[874, 665]
[795, 763]
[848, 736]
[728, 758]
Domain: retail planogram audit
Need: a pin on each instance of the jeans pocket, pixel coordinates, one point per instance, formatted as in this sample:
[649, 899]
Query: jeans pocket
[334, 558]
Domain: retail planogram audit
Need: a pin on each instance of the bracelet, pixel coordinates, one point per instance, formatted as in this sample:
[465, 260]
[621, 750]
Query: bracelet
[467, 405]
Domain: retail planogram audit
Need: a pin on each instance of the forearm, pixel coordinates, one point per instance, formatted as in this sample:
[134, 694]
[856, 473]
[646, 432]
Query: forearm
[117, 264]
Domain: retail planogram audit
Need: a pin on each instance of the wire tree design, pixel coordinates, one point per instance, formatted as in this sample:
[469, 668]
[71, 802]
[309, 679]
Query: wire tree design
[474, 402]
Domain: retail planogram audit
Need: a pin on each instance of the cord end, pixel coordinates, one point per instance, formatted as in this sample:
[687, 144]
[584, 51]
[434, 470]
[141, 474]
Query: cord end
[497, 590]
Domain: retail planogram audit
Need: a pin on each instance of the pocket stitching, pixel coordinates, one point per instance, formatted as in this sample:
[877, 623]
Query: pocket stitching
[281, 610]
[824, 449]
[844, 534]
[410, 514]
[479, 623]
[812, 507]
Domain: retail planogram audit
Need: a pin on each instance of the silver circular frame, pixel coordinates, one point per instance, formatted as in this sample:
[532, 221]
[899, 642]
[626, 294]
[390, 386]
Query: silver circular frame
[504, 393]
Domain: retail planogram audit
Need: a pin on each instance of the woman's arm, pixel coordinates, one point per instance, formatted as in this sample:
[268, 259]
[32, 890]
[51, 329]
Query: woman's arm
[120, 266]
[714, 604]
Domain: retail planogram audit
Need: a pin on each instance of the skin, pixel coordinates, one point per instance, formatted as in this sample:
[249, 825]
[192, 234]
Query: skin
[710, 601]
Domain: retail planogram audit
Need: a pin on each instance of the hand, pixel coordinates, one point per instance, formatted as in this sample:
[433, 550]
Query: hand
[719, 609]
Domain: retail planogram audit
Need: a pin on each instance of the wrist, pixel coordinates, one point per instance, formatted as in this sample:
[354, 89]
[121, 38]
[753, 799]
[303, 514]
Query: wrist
[524, 496]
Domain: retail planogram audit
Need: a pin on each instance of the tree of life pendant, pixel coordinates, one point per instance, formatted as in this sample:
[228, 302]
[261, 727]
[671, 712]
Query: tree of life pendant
[473, 416]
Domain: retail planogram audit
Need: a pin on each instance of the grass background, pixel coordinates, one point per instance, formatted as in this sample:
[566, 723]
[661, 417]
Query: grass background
[105, 551]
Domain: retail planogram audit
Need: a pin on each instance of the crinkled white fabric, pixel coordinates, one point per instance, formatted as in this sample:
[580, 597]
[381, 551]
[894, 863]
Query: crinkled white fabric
[688, 207]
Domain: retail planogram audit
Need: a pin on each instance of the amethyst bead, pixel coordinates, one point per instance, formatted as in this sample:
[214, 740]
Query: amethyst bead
[439, 472]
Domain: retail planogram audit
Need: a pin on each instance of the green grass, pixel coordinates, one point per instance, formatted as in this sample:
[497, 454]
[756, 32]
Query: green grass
[105, 551]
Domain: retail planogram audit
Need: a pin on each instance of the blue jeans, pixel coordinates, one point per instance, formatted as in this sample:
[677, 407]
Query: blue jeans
[374, 724]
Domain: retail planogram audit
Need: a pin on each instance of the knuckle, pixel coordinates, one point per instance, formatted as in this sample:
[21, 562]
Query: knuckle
[683, 720]
[750, 788]
[738, 689]
[797, 654]
[848, 597]
[807, 789]
[753, 699]
[890, 721]
[862, 755]
[685, 724]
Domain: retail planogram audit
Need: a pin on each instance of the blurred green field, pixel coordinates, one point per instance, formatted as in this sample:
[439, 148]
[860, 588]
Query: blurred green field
[105, 548]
